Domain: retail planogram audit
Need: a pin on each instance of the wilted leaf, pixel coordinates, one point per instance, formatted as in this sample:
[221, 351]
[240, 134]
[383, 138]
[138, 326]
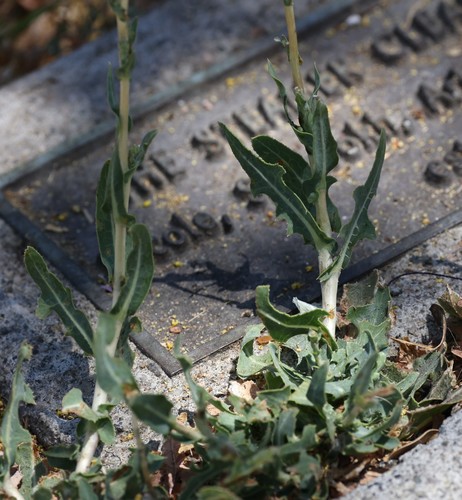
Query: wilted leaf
[12, 433]
[451, 302]
[245, 390]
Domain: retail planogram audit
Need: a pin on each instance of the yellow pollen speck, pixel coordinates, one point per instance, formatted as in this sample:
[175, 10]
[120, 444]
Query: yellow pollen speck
[147, 203]
[296, 285]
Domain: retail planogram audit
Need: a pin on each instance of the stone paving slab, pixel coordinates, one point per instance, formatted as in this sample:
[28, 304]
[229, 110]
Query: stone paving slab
[66, 99]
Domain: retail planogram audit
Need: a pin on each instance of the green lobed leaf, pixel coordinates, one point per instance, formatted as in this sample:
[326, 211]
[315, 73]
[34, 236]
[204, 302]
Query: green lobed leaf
[284, 429]
[296, 167]
[317, 391]
[100, 421]
[359, 227]
[249, 363]
[113, 375]
[63, 456]
[359, 387]
[282, 326]
[368, 305]
[139, 273]
[154, 410]
[73, 403]
[56, 297]
[268, 178]
[85, 489]
[199, 395]
[26, 461]
[13, 434]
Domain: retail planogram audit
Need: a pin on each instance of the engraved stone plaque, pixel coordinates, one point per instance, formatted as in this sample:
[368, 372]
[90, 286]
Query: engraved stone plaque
[397, 69]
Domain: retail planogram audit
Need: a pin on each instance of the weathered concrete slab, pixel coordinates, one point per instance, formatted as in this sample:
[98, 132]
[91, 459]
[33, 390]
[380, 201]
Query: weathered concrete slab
[66, 100]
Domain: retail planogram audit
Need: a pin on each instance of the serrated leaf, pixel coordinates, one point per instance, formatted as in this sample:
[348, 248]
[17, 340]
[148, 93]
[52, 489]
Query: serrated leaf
[113, 374]
[154, 410]
[281, 326]
[268, 178]
[359, 227]
[296, 167]
[58, 298]
[139, 272]
[17, 441]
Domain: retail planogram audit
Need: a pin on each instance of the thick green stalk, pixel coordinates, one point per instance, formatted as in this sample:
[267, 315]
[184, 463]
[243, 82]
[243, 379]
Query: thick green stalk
[124, 107]
[329, 287]
[294, 56]
[120, 234]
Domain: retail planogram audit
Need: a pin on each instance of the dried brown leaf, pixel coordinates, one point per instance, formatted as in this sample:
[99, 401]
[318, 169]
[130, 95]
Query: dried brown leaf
[422, 439]
[246, 390]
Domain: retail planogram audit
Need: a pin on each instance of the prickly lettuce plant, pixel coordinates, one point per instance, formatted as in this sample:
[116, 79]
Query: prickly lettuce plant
[126, 250]
[299, 186]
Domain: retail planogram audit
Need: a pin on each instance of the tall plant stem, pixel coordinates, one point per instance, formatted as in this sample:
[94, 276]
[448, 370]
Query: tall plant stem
[122, 144]
[330, 286]
[294, 56]
[120, 233]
